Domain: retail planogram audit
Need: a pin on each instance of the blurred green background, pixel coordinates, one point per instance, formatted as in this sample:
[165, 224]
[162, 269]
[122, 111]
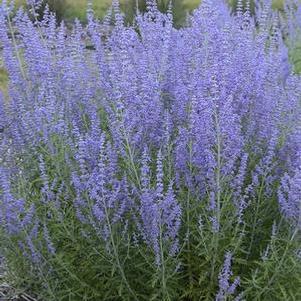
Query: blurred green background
[69, 9]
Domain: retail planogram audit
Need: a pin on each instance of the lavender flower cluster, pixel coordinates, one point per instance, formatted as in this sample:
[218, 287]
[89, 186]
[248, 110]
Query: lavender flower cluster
[143, 130]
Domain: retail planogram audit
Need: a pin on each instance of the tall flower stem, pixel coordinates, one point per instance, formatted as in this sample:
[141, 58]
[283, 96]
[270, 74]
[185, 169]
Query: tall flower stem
[163, 268]
[116, 255]
[218, 194]
[258, 201]
[280, 263]
[188, 222]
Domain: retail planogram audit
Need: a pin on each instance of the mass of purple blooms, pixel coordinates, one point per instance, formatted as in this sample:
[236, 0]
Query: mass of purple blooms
[144, 162]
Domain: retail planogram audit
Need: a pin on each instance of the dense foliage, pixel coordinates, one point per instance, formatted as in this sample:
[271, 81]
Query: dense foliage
[155, 163]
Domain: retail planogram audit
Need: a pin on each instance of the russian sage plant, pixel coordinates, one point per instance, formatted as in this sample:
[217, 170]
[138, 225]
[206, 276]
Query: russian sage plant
[149, 162]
